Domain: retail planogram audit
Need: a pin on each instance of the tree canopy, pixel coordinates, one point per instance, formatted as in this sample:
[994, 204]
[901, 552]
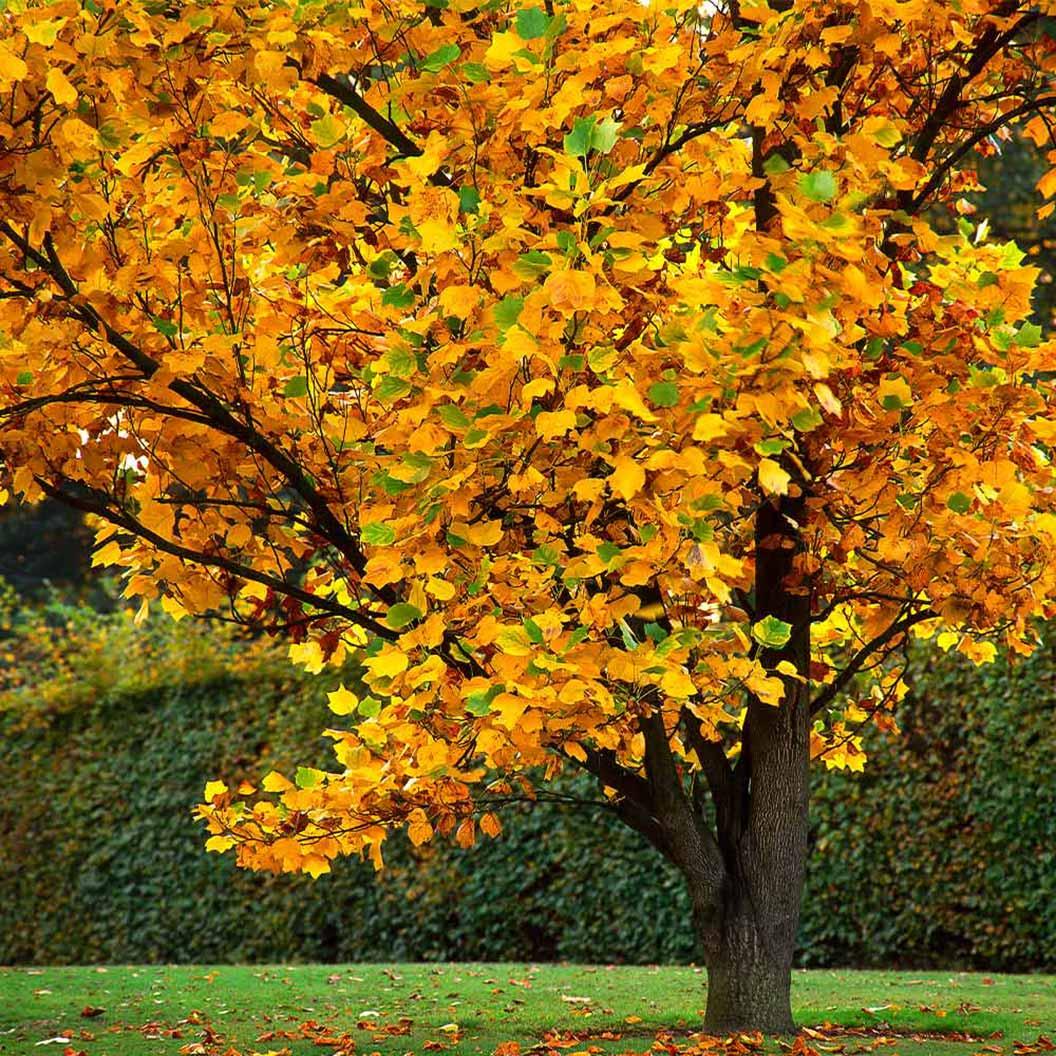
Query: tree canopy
[522, 356]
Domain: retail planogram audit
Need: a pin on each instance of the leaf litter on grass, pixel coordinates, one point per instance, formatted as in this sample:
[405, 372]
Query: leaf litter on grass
[827, 1040]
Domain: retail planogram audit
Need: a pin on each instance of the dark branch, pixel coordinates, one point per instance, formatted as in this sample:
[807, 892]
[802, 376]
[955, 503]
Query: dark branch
[829, 693]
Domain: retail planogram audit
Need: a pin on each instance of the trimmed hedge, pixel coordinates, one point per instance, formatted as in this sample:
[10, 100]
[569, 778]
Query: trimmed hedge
[940, 854]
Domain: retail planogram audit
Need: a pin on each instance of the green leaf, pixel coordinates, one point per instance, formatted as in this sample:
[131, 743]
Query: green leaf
[588, 135]
[398, 297]
[566, 242]
[655, 632]
[1029, 335]
[663, 394]
[401, 614]
[479, 704]
[775, 165]
[771, 632]
[819, 186]
[774, 445]
[534, 631]
[369, 707]
[959, 502]
[328, 131]
[546, 555]
[506, 312]
[307, 777]
[165, 326]
[476, 73]
[469, 199]
[531, 265]
[629, 641]
[532, 22]
[296, 387]
[435, 61]
[605, 135]
[887, 135]
[806, 419]
[577, 142]
[391, 388]
[381, 266]
[377, 534]
[25, 377]
[453, 416]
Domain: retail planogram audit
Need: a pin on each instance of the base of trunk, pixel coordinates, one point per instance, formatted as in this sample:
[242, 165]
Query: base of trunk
[749, 995]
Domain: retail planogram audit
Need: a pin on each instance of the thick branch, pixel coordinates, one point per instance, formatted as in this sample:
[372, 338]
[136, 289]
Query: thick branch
[345, 94]
[125, 520]
[634, 805]
[696, 849]
[951, 159]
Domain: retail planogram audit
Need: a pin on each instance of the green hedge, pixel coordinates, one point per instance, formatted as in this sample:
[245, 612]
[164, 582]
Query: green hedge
[941, 853]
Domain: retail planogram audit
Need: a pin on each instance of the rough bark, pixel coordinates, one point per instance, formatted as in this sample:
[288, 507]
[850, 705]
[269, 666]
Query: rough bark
[762, 810]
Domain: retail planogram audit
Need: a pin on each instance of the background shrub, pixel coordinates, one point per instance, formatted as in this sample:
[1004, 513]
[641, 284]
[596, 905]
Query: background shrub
[941, 853]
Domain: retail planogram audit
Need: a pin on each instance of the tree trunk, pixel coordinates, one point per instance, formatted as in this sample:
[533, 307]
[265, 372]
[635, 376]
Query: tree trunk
[762, 811]
[749, 982]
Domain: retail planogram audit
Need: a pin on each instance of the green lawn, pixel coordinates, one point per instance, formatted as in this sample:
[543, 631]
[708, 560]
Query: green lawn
[473, 1008]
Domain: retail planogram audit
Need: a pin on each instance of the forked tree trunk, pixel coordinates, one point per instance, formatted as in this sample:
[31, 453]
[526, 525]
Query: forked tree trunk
[744, 872]
[748, 933]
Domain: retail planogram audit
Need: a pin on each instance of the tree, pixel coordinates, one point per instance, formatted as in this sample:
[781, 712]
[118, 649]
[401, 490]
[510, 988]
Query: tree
[589, 376]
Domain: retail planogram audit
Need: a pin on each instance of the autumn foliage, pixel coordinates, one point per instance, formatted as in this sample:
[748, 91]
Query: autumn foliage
[591, 374]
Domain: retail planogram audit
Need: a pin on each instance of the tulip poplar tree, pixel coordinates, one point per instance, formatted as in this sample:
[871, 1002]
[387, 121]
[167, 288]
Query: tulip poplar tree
[612, 385]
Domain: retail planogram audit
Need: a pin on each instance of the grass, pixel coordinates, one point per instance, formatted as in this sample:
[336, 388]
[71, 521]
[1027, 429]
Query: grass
[470, 1009]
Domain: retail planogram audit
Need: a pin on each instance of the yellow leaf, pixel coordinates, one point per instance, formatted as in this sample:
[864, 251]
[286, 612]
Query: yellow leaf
[386, 664]
[433, 151]
[484, 533]
[709, 427]
[12, 68]
[275, 782]
[439, 588]
[459, 301]
[57, 83]
[628, 477]
[219, 844]
[213, 788]
[315, 865]
[173, 608]
[1047, 184]
[625, 395]
[895, 393]
[309, 655]
[466, 836]
[45, 31]
[228, 124]
[341, 701]
[418, 828]
[552, 424]
[571, 291]
[239, 534]
[772, 478]
[501, 50]
[677, 684]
